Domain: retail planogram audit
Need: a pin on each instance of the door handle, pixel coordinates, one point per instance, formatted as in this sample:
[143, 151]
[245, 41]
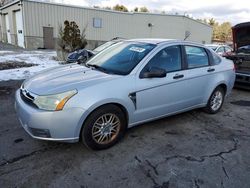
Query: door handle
[178, 76]
[210, 70]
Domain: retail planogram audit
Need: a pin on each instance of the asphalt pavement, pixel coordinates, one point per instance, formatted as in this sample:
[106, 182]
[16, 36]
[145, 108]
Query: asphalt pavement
[192, 149]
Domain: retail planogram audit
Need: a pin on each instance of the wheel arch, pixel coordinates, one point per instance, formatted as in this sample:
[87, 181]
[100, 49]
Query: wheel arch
[93, 109]
[223, 86]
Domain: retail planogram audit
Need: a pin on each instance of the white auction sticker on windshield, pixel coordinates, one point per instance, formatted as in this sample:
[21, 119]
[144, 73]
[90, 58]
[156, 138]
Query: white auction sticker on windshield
[137, 49]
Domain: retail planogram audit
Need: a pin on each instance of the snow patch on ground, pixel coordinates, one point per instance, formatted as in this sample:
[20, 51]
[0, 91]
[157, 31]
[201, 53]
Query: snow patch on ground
[43, 58]
[5, 52]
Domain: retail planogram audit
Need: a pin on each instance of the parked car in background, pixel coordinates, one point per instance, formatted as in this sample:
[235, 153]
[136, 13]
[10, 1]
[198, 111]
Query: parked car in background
[222, 50]
[129, 83]
[82, 55]
[241, 57]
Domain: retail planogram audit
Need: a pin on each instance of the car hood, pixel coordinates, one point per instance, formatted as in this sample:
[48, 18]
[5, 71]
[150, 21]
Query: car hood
[65, 78]
[241, 34]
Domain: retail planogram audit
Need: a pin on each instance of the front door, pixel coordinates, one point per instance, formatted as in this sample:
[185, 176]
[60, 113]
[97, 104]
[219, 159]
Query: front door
[48, 38]
[161, 96]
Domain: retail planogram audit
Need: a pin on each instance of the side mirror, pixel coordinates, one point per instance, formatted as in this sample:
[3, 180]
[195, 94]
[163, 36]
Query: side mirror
[82, 59]
[154, 72]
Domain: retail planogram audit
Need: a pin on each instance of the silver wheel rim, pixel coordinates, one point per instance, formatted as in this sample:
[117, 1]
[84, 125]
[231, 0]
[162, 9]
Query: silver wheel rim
[216, 100]
[106, 128]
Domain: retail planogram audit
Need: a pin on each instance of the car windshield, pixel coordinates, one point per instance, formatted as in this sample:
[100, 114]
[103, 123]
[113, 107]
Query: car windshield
[103, 46]
[120, 58]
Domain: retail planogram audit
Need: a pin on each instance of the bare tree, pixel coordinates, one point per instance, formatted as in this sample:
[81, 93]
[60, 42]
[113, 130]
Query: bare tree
[2, 2]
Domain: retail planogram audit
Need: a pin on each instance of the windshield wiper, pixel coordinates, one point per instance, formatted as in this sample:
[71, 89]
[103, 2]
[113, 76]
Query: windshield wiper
[97, 67]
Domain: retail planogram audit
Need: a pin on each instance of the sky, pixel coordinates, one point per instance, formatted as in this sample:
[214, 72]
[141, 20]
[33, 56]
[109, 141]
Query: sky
[234, 11]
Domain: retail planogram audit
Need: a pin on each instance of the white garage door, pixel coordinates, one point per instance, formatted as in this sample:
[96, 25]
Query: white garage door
[7, 28]
[19, 27]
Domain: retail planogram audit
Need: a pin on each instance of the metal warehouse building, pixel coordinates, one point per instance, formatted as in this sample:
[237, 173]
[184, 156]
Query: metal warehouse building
[32, 24]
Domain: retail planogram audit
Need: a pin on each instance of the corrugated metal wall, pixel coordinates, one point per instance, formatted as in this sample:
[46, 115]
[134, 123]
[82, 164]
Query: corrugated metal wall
[10, 11]
[128, 25]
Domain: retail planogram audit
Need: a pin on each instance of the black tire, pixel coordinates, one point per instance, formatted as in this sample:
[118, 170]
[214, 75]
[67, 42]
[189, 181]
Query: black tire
[88, 127]
[209, 108]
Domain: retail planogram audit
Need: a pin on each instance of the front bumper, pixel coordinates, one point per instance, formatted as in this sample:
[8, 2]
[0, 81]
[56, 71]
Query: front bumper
[61, 126]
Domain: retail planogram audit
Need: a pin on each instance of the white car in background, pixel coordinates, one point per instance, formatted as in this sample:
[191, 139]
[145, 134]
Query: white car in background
[222, 50]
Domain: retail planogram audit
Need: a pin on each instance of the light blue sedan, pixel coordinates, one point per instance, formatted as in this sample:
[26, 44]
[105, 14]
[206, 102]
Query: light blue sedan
[129, 83]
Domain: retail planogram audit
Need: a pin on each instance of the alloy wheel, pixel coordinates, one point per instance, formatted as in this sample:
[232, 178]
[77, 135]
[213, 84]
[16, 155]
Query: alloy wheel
[106, 128]
[216, 100]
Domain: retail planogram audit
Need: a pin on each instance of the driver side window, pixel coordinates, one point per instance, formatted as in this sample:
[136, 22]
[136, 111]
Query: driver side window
[168, 59]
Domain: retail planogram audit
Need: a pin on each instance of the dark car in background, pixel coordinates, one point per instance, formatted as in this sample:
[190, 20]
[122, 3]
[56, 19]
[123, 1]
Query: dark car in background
[241, 56]
[82, 55]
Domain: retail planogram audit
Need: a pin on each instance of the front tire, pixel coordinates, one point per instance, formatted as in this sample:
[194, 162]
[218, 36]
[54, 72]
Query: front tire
[215, 101]
[104, 127]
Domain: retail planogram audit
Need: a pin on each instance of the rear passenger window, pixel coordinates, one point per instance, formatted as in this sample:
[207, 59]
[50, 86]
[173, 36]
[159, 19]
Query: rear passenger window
[196, 57]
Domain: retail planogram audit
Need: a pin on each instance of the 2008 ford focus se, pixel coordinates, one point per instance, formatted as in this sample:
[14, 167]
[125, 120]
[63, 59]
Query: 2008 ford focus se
[129, 83]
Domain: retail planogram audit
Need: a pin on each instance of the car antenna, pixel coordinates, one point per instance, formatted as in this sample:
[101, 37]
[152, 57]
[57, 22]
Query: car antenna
[187, 34]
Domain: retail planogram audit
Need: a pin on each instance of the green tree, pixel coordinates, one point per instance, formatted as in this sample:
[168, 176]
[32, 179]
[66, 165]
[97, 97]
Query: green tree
[211, 21]
[225, 31]
[144, 9]
[121, 8]
[136, 9]
[222, 31]
[71, 38]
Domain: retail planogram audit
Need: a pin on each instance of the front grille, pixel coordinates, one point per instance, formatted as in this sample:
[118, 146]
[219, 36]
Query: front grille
[27, 97]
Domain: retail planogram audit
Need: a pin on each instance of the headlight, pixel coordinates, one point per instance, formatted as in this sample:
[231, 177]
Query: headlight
[54, 102]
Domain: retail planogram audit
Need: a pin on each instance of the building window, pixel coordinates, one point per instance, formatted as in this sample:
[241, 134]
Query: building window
[97, 22]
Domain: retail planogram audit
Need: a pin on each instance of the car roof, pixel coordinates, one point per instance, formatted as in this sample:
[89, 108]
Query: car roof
[152, 40]
[213, 45]
[164, 41]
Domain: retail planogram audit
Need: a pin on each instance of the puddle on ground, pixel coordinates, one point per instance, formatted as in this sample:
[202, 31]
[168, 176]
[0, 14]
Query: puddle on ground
[241, 103]
[18, 140]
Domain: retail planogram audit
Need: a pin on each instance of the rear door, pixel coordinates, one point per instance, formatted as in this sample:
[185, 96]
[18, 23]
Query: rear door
[198, 73]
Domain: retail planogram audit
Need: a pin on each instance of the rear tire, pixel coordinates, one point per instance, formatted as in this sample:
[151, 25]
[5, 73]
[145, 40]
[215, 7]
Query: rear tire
[215, 101]
[104, 127]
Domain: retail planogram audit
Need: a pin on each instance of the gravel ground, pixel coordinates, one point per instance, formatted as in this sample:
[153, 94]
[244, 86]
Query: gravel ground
[192, 149]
